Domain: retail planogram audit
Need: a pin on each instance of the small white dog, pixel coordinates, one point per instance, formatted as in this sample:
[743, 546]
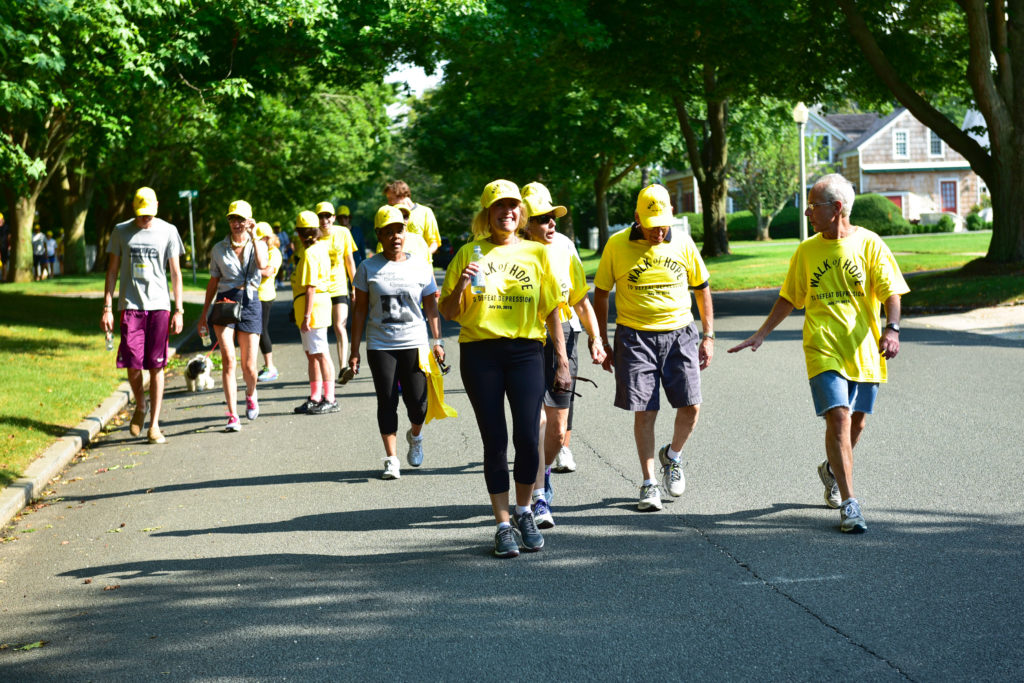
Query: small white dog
[198, 373]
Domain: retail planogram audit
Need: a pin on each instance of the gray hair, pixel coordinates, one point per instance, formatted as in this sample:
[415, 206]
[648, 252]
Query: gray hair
[836, 188]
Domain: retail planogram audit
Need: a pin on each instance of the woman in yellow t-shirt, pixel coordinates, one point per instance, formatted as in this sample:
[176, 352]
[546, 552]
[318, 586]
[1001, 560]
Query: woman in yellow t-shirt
[572, 281]
[267, 293]
[500, 289]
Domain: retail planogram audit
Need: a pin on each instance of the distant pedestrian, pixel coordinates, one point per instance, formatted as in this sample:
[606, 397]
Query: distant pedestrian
[39, 253]
[842, 276]
[311, 283]
[236, 263]
[141, 253]
[393, 285]
[502, 350]
[568, 271]
[51, 255]
[267, 294]
[652, 268]
[340, 247]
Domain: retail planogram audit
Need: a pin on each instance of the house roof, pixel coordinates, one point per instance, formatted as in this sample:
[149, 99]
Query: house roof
[873, 129]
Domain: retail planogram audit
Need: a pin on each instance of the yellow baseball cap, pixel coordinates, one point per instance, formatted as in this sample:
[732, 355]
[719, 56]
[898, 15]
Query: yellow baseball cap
[263, 229]
[538, 201]
[307, 219]
[386, 215]
[654, 207]
[325, 207]
[240, 208]
[343, 211]
[499, 189]
[145, 202]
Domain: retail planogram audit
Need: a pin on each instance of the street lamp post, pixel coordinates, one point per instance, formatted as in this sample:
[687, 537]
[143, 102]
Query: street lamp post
[191, 232]
[800, 118]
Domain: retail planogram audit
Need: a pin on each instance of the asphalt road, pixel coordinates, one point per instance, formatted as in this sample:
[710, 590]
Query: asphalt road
[278, 554]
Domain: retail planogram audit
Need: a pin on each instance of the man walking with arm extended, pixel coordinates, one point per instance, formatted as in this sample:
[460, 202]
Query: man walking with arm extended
[652, 268]
[142, 251]
[841, 276]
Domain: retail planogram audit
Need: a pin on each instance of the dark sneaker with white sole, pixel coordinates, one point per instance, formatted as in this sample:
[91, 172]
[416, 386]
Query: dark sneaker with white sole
[852, 519]
[505, 544]
[529, 535]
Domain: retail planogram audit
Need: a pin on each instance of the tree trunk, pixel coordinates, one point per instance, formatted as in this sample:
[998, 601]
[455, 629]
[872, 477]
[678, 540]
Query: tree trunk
[564, 198]
[761, 223]
[76, 191]
[716, 238]
[1007, 187]
[21, 239]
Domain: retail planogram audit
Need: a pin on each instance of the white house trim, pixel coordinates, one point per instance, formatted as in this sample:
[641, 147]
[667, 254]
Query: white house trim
[909, 166]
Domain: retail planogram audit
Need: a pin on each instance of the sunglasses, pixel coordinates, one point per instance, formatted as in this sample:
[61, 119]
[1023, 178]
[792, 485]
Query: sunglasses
[546, 218]
[557, 390]
[445, 368]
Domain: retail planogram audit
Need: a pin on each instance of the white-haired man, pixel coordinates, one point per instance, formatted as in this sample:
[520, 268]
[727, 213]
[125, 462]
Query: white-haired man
[840, 276]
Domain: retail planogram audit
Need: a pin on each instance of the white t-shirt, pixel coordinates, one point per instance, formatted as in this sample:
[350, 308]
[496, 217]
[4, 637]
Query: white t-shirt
[395, 319]
[144, 255]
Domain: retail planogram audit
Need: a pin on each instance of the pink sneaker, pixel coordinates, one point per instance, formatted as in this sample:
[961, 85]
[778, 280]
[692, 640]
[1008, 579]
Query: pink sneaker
[252, 407]
[234, 424]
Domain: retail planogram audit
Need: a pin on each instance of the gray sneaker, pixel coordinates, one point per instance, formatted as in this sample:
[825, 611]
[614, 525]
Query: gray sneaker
[672, 473]
[650, 497]
[391, 469]
[529, 534]
[415, 455]
[852, 519]
[832, 498]
[505, 543]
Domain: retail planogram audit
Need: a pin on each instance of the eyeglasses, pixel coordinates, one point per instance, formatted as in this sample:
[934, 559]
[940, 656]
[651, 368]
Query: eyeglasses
[811, 206]
[546, 218]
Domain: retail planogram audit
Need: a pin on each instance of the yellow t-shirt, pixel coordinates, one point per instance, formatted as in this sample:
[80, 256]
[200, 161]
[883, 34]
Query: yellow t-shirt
[652, 281]
[313, 269]
[414, 246]
[423, 223]
[572, 279]
[520, 292]
[339, 245]
[842, 283]
[268, 285]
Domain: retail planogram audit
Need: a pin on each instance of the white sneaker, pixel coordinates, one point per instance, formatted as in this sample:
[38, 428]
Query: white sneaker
[415, 455]
[564, 461]
[391, 469]
[650, 497]
[672, 473]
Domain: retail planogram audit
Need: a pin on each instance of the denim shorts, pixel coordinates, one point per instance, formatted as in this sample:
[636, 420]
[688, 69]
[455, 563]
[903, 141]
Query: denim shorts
[831, 390]
[252, 312]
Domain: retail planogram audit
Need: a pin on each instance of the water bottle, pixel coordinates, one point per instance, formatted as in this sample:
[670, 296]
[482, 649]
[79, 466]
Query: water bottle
[110, 340]
[478, 284]
[204, 335]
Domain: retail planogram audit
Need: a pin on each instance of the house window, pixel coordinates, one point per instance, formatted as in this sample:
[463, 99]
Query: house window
[821, 148]
[934, 144]
[688, 203]
[900, 144]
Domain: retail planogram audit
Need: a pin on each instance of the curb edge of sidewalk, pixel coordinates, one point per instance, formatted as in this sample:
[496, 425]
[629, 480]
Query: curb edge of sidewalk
[41, 471]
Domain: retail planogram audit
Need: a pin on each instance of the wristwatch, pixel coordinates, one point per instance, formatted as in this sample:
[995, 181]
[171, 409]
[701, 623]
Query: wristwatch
[895, 327]
[439, 342]
[707, 335]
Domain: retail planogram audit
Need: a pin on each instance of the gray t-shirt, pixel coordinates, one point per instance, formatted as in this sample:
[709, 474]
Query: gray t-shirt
[144, 255]
[396, 288]
[234, 272]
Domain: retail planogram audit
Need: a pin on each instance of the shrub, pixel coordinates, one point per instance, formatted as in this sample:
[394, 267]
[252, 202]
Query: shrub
[945, 224]
[975, 222]
[878, 214]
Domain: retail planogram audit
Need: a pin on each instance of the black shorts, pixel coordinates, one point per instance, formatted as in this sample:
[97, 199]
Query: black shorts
[340, 299]
[561, 399]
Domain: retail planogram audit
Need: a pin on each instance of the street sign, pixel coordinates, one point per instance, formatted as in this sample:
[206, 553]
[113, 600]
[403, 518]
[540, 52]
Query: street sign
[188, 193]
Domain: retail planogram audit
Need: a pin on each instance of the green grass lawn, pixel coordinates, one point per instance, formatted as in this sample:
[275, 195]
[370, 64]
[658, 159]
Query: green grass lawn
[56, 366]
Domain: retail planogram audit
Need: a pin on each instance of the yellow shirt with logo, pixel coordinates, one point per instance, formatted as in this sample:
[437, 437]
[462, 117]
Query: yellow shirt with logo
[268, 285]
[843, 283]
[339, 245]
[313, 269]
[520, 291]
[652, 281]
[414, 246]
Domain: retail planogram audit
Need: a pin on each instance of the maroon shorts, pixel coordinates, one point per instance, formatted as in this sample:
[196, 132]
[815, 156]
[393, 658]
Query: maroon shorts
[144, 336]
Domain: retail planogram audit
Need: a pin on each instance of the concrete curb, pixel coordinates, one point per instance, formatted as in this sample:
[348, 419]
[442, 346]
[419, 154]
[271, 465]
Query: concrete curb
[56, 458]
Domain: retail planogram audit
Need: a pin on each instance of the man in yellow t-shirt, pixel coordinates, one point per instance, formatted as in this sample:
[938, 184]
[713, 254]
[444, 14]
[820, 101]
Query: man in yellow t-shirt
[841, 276]
[652, 269]
[340, 247]
[421, 218]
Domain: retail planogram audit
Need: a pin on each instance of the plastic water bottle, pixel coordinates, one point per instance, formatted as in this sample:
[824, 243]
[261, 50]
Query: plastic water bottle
[478, 284]
[204, 335]
[110, 340]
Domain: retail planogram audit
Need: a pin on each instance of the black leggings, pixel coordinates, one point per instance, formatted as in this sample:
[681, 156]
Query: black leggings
[492, 369]
[388, 369]
[265, 344]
